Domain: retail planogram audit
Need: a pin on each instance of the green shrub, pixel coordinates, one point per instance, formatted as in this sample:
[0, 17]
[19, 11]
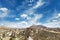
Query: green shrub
[0, 38]
[11, 38]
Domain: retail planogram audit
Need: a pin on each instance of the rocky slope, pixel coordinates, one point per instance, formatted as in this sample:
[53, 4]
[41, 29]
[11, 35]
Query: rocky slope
[35, 32]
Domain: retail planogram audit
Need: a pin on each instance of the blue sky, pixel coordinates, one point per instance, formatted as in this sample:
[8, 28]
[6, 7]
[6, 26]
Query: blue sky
[24, 13]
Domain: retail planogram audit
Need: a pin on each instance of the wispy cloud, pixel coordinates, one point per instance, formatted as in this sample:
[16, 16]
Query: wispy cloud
[4, 12]
[39, 3]
[54, 21]
[24, 15]
[17, 19]
[22, 24]
[52, 24]
[57, 15]
[35, 19]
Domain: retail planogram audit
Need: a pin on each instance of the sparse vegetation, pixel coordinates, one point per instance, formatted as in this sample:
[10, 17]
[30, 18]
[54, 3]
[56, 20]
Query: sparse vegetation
[11, 38]
[3, 35]
[36, 33]
[0, 38]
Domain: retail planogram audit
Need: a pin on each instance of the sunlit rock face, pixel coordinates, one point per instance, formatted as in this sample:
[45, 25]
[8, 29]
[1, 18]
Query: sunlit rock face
[30, 38]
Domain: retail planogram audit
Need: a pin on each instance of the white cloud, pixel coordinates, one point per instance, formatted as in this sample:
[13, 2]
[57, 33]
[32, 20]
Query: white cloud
[29, 12]
[17, 18]
[58, 15]
[31, 20]
[5, 11]
[29, 0]
[22, 24]
[55, 17]
[53, 22]
[39, 3]
[34, 20]
[24, 15]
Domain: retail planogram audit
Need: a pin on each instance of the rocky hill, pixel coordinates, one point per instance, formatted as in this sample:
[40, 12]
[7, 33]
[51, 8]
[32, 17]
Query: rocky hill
[35, 32]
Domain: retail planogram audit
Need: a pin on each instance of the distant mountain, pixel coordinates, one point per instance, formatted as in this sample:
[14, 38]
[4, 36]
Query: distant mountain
[38, 26]
[34, 32]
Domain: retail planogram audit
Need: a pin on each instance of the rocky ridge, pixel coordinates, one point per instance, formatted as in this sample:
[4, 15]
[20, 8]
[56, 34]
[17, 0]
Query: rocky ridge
[35, 32]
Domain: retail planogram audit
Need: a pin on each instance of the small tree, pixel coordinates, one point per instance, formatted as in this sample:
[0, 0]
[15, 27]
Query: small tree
[3, 35]
[11, 38]
[0, 38]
